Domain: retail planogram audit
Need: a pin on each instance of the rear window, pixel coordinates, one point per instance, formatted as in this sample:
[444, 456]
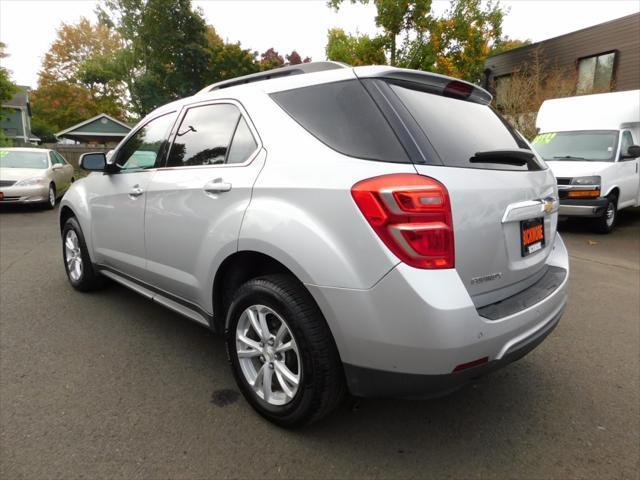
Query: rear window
[344, 117]
[459, 129]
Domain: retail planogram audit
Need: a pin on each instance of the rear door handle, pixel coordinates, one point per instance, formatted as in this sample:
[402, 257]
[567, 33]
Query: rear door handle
[217, 186]
[136, 191]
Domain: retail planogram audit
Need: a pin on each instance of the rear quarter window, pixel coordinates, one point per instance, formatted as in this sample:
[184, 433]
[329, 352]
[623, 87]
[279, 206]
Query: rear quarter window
[343, 116]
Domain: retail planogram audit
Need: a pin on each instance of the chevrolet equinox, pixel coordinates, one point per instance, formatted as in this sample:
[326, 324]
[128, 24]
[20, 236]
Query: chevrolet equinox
[370, 230]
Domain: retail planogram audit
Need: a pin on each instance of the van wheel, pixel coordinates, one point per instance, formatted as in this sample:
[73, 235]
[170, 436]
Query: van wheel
[77, 263]
[606, 222]
[281, 351]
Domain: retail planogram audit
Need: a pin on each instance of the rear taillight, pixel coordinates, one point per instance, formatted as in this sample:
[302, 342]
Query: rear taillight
[412, 216]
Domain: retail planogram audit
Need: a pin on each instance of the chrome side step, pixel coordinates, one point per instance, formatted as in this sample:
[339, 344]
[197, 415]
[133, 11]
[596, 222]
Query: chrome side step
[184, 310]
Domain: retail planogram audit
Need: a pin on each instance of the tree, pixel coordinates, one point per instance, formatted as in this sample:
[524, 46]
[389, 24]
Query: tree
[166, 53]
[270, 59]
[520, 95]
[228, 60]
[7, 90]
[66, 94]
[455, 44]
[354, 50]
[505, 44]
[395, 18]
[294, 58]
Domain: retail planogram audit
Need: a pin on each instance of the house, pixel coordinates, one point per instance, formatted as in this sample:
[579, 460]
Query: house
[101, 129]
[604, 57]
[16, 118]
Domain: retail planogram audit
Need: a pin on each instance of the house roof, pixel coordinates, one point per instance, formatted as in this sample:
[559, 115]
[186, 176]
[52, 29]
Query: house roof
[20, 99]
[101, 125]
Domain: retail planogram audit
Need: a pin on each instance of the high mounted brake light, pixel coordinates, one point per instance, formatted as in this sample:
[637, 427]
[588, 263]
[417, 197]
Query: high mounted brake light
[412, 216]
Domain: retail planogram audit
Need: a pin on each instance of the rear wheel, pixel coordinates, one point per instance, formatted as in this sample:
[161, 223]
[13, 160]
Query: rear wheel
[282, 353]
[607, 221]
[77, 262]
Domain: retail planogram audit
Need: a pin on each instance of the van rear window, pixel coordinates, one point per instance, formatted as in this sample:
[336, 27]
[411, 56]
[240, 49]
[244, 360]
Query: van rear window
[459, 129]
[344, 117]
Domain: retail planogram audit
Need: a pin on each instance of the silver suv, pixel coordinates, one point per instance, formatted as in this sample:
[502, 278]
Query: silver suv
[372, 230]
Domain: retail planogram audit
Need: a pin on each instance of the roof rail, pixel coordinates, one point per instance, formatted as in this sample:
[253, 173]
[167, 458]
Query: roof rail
[299, 69]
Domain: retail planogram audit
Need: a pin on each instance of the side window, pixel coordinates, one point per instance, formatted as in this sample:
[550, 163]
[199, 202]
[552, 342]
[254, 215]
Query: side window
[59, 158]
[144, 149]
[243, 144]
[52, 158]
[204, 136]
[627, 141]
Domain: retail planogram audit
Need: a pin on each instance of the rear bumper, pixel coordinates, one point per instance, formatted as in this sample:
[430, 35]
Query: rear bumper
[407, 335]
[365, 382]
[583, 208]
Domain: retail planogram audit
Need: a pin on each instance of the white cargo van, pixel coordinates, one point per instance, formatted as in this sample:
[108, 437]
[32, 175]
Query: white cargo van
[591, 144]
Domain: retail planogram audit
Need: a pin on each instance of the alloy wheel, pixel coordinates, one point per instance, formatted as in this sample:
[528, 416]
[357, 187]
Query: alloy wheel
[73, 255]
[268, 355]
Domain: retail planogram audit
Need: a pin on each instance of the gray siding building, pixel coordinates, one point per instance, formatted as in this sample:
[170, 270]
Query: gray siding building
[604, 57]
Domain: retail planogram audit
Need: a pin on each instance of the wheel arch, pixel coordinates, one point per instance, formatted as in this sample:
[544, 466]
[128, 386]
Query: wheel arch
[237, 269]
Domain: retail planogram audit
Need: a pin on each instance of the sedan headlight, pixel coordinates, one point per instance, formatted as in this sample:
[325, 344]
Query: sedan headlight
[594, 180]
[28, 182]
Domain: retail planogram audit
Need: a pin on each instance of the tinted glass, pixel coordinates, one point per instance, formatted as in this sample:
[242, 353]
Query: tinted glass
[589, 145]
[343, 116]
[145, 148]
[22, 159]
[243, 143]
[459, 129]
[204, 136]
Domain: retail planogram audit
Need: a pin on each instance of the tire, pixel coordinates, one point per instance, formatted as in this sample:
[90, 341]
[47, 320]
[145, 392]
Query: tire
[50, 203]
[314, 357]
[606, 222]
[85, 278]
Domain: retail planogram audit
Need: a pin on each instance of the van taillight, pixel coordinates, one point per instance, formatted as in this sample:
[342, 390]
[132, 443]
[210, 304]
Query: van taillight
[412, 216]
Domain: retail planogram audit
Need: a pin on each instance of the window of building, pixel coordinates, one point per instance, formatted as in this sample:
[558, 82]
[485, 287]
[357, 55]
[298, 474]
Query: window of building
[595, 73]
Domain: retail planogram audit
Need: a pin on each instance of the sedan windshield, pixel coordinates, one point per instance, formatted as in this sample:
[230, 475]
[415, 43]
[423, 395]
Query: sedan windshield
[587, 145]
[18, 159]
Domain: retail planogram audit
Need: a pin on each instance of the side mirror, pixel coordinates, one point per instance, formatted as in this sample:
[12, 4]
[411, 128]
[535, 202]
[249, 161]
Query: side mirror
[632, 152]
[93, 162]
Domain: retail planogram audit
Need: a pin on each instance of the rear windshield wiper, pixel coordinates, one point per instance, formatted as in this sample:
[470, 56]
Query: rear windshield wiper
[517, 158]
[569, 156]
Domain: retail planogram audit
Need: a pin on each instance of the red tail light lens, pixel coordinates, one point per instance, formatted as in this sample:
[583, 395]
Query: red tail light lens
[412, 216]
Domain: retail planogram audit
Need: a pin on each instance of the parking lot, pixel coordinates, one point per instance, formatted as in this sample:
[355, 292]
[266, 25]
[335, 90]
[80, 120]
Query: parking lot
[110, 385]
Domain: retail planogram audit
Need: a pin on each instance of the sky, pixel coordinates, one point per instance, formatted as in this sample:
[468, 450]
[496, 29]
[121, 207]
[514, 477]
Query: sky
[29, 26]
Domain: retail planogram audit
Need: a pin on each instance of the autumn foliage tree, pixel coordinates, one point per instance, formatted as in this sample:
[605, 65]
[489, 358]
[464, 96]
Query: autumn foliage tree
[64, 95]
[456, 43]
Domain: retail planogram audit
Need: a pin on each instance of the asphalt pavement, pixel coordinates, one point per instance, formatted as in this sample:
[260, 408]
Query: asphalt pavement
[110, 385]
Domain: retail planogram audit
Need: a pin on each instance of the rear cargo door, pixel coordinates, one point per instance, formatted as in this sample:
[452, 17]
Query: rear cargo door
[504, 214]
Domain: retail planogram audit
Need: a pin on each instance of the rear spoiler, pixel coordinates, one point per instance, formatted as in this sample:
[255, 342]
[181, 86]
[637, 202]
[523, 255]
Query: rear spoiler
[429, 82]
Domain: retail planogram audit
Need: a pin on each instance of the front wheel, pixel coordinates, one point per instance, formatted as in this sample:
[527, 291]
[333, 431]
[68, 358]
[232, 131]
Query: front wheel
[607, 221]
[282, 353]
[77, 263]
